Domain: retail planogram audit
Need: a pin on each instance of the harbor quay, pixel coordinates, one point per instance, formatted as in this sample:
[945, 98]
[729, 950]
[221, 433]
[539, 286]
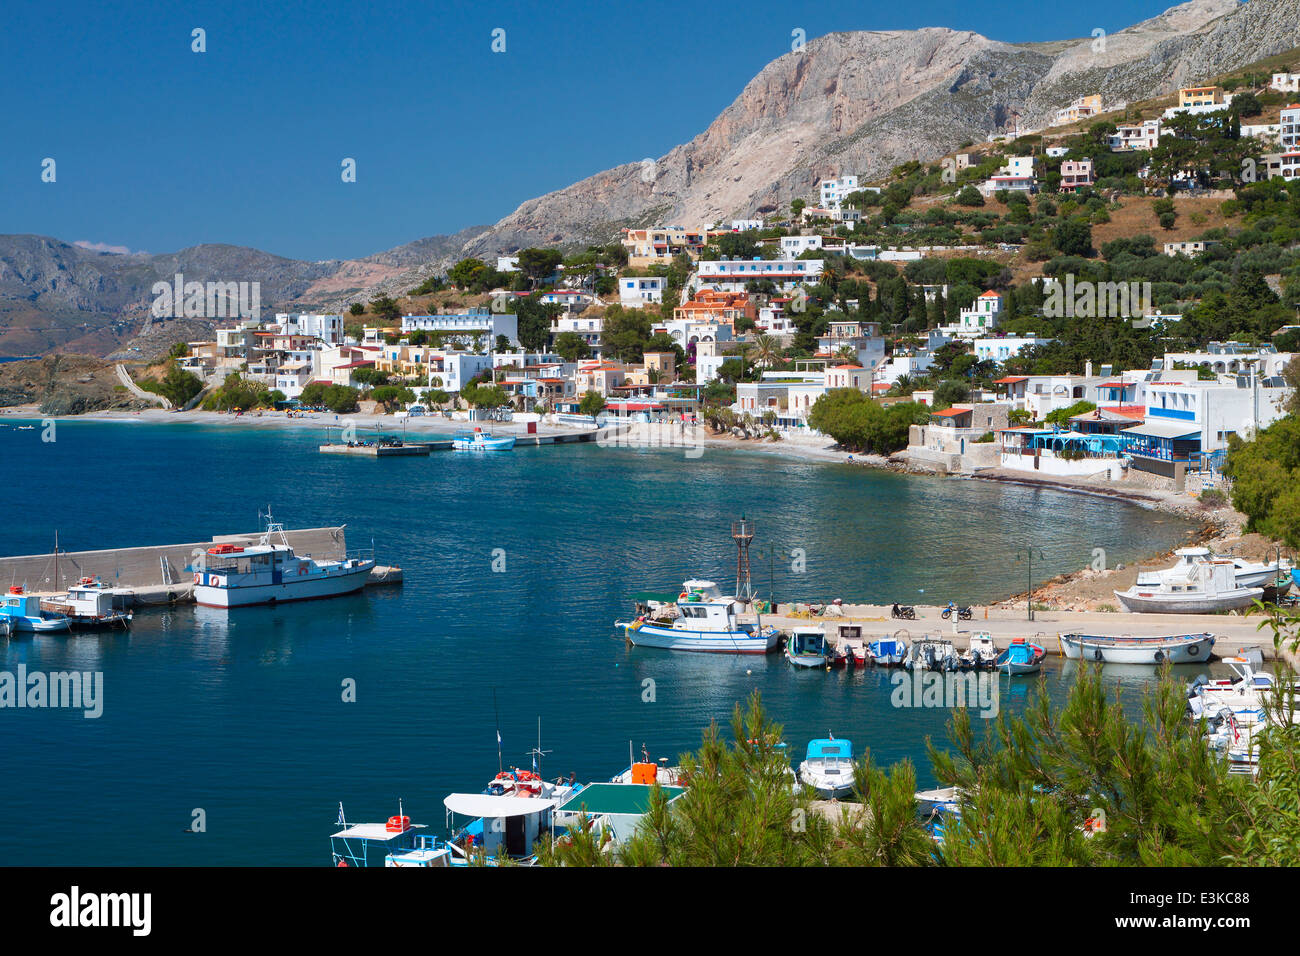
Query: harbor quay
[156, 574]
[1232, 632]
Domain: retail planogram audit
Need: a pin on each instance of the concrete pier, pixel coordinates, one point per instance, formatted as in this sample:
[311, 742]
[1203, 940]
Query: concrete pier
[382, 451]
[1232, 632]
[156, 573]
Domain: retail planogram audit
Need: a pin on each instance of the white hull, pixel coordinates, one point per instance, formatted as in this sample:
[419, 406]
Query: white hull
[1197, 602]
[45, 626]
[307, 588]
[717, 642]
[806, 660]
[1176, 651]
[828, 784]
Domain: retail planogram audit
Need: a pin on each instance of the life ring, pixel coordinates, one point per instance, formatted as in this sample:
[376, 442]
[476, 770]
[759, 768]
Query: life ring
[197, 577]
[1159, 656]
[682, 596]
[1193, 650]
[302, 569]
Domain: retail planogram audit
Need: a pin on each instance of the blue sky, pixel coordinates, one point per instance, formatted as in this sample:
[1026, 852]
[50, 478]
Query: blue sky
[158, 148]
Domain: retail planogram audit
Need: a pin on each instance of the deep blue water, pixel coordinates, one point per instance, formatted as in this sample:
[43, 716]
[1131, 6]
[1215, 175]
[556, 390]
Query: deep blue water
[241, 714]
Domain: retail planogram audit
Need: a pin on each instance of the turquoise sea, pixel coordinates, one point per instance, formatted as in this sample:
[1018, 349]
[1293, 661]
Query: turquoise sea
[241, 713]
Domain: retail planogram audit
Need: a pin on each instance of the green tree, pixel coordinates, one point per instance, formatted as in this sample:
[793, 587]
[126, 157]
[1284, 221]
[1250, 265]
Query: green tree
[592, 403]
[571, 346]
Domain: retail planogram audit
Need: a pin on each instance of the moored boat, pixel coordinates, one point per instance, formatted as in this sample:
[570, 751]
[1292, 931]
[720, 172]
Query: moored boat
[887, 651]
[1246, 574]
[982, 652]
[702, 619]
[1127, 649]
[806, 647]
[479, 440]
[24, 613]
[933, 654]
[89, 604]
[271, 573]
[828, 767]
[1020, 657]
[394, 843]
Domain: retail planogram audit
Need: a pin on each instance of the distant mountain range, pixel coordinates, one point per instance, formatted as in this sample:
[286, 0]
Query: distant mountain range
[858, 102]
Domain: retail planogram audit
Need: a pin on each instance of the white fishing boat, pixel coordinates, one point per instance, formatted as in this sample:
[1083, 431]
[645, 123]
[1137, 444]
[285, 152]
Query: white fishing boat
[271, 573]
[1127, 649]
[887, 651]
[702, 619]
[933, 654]
[1249, 690]
[828, 767]
[806, 647]
[1199, 587]
[981, 653]
[24, 614]
[479, 440]
[1246, 574]
[89, 604]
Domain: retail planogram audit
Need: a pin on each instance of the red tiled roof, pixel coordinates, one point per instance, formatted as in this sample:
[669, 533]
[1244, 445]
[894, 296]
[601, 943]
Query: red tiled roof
[1011, 379]
[950, 412]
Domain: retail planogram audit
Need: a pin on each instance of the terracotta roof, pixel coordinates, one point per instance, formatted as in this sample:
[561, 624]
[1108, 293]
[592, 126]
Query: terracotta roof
[1010, 379]
[950, 412]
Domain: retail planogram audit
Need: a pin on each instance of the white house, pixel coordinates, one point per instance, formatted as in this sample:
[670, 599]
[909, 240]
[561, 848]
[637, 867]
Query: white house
[1232, 358]
[862, 338]
[636, 291]
[793, 246]
[834, 191]
[1017, 175]
[1286, 82]
[733, 275]
[1136, 136]
[979, 319]
[475, 327]
[327, 328]
[1007, 346]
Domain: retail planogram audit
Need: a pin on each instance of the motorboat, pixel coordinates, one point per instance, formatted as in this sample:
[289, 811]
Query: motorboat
[396, 842]
[828, 767]
[479, 440]
[887, 651]
[1020, 657]
[806, 647]
[933, 654]
[1127, 649]
[981, 653]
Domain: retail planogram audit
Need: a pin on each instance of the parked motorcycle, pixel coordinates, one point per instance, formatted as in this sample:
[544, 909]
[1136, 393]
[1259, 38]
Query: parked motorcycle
[906, 612]
[963, 613]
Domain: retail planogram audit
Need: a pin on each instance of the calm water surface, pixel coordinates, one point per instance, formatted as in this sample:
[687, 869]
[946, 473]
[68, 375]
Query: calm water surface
[240, 713]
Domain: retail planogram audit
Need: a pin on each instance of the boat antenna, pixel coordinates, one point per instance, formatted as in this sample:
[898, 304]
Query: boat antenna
[537, 752]
[497, 712]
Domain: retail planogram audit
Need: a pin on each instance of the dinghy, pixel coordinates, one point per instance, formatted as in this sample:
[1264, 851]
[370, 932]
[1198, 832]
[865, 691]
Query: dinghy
[1020, 657]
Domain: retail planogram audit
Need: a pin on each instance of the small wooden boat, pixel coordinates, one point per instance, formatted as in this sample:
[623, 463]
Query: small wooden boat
[1020, 657]
[807, 647]
[1127, 649]
[24, 613]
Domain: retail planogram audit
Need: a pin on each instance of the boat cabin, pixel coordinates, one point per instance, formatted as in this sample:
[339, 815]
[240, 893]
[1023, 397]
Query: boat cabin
[499, 824]
[830, 751]
[395, 843]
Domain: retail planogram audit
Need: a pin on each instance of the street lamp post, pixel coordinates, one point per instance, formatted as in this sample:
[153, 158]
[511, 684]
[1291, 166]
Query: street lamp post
[1028, 552]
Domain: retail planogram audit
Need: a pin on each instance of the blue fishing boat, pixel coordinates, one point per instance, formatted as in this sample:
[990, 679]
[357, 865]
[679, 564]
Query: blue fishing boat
[1021, 657]
[24, 613]
[888, 651]
[479, 440]
[828, 767]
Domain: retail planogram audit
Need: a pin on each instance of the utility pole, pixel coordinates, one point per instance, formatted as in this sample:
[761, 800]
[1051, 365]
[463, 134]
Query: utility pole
[1028, 552]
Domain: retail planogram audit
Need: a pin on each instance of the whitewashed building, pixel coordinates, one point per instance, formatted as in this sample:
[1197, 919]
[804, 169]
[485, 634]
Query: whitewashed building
[636, 291]
[733, 275]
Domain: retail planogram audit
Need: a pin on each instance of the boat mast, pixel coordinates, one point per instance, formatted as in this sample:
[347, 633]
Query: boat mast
[56, 559]
[495, 711]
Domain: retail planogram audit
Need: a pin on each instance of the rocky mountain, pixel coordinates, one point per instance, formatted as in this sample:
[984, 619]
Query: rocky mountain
[856, 102]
